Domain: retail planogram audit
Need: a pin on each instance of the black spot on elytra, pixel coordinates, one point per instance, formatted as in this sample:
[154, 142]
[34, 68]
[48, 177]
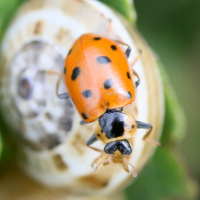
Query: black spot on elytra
[102, 106]
[132, 126]
[69, 51]
[84, 115]
[129, 95]
[75, 73]
[98, 135]
[113, 47]
[128, 75]
[87, 93]
[97, 38]
[103, 60]
[108, 83]
[64, 70]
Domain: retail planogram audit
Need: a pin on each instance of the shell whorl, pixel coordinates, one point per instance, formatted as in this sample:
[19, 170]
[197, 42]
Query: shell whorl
[51, 142]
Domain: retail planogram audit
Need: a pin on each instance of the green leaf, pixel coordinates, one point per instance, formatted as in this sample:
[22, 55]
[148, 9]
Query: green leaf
[1, 145]
[7, 9]
[125, 7]
[175, 123]
[163, 178]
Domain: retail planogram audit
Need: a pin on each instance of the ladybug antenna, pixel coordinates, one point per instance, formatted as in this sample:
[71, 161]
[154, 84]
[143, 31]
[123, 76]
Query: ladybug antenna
[105, 162]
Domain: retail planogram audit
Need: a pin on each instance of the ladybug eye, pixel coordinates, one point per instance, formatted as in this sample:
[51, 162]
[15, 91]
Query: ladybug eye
[25, 87]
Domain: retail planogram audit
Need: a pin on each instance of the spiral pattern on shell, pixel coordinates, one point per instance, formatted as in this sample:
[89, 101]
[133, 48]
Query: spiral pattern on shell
[50, 140]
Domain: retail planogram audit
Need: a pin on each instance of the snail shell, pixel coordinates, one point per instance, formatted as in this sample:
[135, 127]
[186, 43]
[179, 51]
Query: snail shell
[50, 140]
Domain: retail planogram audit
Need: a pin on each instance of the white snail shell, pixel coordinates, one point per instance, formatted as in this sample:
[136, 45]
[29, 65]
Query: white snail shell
[51, 142]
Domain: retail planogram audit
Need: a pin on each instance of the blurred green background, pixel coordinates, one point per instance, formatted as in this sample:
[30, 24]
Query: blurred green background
[172, 29]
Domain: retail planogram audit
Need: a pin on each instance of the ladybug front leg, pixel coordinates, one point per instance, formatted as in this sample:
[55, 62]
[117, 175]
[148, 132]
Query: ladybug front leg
[105, 162]
[98, 158]
[91, 140]
[145, 138]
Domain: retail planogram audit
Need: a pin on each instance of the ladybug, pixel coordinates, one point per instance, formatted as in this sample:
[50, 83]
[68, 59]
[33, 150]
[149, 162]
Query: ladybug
[101, 83]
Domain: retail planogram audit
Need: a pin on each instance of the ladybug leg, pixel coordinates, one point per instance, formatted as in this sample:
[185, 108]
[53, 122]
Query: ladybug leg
[136, 58]
[145, 138]
[109, 27]
[60, 76]
[64, 95]
[97, 159]
[105, 162]
[137, 83]
[91, 140]
[128, 50]
[82, 122]
[51, 72]
[95, 149]
[99, 150]
[125, 166]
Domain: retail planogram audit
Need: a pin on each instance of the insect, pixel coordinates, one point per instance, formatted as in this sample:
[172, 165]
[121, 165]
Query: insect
[41, 119]
[101, 83]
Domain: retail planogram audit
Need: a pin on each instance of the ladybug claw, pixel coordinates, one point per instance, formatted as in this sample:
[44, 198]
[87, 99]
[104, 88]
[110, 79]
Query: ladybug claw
[63, 96]
[137, 83]
[134, 174]
[127, 52]
[82, 122]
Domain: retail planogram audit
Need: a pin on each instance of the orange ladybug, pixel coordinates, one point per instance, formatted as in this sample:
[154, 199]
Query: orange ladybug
[100, 83]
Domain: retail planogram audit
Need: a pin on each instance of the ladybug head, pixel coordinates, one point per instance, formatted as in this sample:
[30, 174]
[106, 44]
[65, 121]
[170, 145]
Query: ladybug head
[114, 128]
[123, 146]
